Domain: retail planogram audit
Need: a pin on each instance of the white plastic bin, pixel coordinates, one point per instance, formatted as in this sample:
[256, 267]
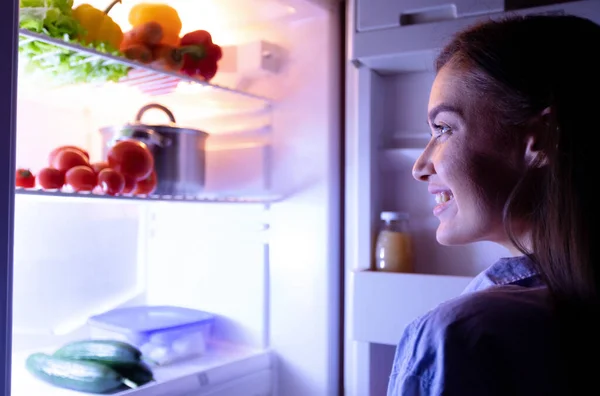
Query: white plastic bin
[164, 334]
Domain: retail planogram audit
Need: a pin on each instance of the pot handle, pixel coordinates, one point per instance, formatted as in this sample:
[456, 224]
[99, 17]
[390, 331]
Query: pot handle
[149, 106]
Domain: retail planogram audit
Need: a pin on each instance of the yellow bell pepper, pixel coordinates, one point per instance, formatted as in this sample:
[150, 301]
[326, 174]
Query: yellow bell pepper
[163, 14]
[99, 27]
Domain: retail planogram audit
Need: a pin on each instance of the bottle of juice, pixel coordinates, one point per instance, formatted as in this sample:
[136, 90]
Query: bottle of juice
[393, 250]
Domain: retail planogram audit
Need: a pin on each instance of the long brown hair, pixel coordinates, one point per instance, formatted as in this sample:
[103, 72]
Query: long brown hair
[527, 64]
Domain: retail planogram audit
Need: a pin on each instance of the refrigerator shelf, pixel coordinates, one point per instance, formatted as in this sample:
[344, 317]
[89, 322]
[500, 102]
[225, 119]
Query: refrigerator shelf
[384, 303]
[404, 140]
[203, 198]
[221, 365]
[150, 80]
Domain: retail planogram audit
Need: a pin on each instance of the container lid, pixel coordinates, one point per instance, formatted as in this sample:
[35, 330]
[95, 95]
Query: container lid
[149, 319]
[391, 216]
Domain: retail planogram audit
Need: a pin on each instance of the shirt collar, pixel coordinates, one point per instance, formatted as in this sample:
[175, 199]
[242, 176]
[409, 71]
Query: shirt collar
[509, 270]
[506, 271]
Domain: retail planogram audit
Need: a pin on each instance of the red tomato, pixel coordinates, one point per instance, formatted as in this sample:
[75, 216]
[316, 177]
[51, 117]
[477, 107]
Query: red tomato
[51, 179]
[69, 158]
[98, 166]
[57, 150]
[130, 184]
[81, 178]
[24, 178]
[146, 186]
[111, 182]
[131, 158]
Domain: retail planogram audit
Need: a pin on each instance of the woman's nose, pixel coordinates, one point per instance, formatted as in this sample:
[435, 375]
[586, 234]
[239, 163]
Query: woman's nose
[423, 167]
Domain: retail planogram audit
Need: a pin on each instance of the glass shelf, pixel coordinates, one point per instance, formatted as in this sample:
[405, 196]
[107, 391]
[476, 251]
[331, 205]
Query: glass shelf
[201, 198]
[404, 140]
[223, 365]
[148, 79]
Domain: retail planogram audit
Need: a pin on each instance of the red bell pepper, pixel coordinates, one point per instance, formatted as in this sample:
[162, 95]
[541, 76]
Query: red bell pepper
[200, 54]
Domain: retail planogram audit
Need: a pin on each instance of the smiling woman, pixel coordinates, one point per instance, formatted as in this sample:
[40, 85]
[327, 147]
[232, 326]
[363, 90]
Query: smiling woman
[509, 161]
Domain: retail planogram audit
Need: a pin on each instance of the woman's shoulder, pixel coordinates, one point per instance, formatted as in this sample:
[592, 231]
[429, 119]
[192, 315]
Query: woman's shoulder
[492, 310]
[500, 315]
[487, 337]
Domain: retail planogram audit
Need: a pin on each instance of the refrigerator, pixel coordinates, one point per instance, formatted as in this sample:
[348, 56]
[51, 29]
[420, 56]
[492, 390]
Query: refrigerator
[258, 248]
[390, 55]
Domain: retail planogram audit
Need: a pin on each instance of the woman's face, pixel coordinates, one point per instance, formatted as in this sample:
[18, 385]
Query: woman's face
[469, 167]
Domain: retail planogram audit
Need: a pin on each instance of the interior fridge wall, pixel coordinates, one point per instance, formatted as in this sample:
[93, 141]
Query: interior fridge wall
[270, 272]
[391, 50]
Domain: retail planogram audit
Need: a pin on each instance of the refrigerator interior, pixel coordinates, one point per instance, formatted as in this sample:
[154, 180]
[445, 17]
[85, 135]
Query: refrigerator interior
[254, 249]
[391, 52]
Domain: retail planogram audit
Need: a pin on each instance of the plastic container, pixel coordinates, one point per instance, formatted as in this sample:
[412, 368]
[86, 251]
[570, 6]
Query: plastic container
[393, 250]
[164, 334]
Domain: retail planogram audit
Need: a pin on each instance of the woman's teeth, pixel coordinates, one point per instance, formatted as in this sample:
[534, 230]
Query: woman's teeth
[442, 197]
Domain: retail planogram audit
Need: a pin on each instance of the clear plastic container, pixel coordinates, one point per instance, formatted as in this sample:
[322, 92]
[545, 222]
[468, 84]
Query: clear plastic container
[393, 250]
[164, 334]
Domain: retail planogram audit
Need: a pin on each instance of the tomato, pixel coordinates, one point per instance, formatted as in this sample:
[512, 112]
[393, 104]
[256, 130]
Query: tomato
[111, 182]
[132, 158]
[98, 166]
[57, 150]
[24, 178]
[69, 158]
[51, 179]
[130, 184]
[81, 178]
[146, 186]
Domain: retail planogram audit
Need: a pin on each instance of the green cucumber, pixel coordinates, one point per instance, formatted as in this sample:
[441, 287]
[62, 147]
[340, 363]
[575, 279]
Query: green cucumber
[101, 351]
[78, 375]
[138, 373]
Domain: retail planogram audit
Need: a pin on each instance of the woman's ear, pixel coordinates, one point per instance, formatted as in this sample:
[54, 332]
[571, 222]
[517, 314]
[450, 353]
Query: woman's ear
[537, 138]
[535, 156]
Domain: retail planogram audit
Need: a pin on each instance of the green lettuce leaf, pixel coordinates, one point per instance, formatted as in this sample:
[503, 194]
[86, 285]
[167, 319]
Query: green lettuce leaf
[54, 19]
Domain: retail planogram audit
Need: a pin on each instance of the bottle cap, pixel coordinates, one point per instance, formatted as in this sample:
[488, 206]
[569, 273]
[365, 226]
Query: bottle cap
[391, 216]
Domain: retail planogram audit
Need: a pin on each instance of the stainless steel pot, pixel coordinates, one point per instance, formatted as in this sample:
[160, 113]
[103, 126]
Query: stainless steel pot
[179, 153]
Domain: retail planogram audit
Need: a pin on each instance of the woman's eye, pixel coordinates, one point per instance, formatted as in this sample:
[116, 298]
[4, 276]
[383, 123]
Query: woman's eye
[440, 129]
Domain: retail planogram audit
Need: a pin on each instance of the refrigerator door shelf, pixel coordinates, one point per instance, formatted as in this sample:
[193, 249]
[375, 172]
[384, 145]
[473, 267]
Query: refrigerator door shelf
[220, 366]
[414, 47]
[385, 14]
[385, 303]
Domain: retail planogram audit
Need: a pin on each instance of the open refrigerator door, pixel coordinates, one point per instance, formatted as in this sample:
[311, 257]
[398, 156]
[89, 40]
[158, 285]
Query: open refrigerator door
[392, 47]
[206, 228]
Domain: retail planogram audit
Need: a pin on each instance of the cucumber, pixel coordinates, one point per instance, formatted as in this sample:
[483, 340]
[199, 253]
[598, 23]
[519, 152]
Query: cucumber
[122, 357]
[101, 351]
[78, 375]
[138, 373]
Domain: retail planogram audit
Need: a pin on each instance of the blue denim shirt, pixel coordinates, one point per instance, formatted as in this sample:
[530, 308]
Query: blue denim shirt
[496, 338]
